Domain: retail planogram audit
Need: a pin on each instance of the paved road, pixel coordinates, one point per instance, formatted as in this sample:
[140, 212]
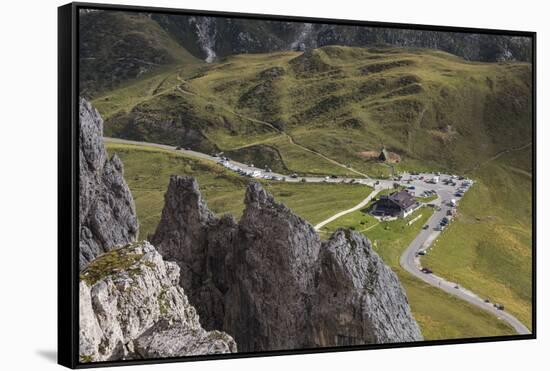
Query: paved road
[409, 259]
[411, 263]
[245, 167]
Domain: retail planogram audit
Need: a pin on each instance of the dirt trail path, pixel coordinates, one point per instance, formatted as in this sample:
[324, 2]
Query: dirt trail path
[271, 126]
[497, 155]
[359, 206]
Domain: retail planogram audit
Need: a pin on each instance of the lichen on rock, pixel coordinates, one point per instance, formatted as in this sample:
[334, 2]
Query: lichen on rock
[132, 307]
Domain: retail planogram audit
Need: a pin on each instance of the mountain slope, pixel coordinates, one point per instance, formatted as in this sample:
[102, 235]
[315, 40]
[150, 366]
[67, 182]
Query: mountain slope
[429, 107]
[117, 47]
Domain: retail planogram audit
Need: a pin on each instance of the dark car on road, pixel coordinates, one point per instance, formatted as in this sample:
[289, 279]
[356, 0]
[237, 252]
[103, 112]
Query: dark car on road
[499, 306]
[426, 270]
[426, 226]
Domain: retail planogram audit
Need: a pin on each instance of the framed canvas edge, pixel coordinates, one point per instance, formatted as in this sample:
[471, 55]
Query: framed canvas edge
[67, 227]
[68, 264]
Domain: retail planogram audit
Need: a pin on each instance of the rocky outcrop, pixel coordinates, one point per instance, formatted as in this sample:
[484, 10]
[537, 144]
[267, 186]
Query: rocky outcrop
[132, 307]
[272, 277]
[227, 36]
[359, 299]
[197, 241]
[272, 283]
[107, 214]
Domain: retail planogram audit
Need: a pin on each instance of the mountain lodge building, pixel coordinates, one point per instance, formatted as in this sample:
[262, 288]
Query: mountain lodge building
[398, 204]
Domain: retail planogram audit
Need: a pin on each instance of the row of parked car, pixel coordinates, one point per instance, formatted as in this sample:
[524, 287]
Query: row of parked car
[224, 161]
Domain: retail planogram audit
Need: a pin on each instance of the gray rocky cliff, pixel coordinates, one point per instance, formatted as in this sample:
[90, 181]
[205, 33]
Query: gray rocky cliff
[107, 215]
[132, 307]
[196, 240]
[358, 298]
[218, 36]
[272, 283]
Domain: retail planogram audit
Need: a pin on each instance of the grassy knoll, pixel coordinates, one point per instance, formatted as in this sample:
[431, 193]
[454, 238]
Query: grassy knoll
[440, 315]
[488, 248]
[147, 171]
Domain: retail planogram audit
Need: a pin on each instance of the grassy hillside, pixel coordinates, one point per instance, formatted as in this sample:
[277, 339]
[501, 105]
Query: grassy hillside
[434, 110]
[122, 47]
[488, 248]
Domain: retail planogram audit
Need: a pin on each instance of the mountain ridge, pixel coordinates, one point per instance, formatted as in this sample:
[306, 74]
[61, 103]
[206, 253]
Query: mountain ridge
[213, 38]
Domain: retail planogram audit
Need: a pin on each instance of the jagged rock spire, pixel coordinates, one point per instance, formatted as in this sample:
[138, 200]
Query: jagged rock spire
[107, 215]
[271, 282]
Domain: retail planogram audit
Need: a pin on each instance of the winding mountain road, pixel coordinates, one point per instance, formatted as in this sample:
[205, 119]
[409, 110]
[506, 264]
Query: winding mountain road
[410, 261]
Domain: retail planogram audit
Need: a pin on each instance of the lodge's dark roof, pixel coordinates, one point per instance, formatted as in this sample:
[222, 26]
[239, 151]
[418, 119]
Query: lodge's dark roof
[403, 199]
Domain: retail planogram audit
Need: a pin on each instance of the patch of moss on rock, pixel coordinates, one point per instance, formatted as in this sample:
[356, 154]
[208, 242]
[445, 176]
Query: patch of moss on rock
[112, 262]
[163, 305]
[85, 358]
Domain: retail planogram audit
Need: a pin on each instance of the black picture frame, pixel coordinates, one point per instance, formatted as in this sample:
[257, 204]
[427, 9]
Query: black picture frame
[68, 115]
